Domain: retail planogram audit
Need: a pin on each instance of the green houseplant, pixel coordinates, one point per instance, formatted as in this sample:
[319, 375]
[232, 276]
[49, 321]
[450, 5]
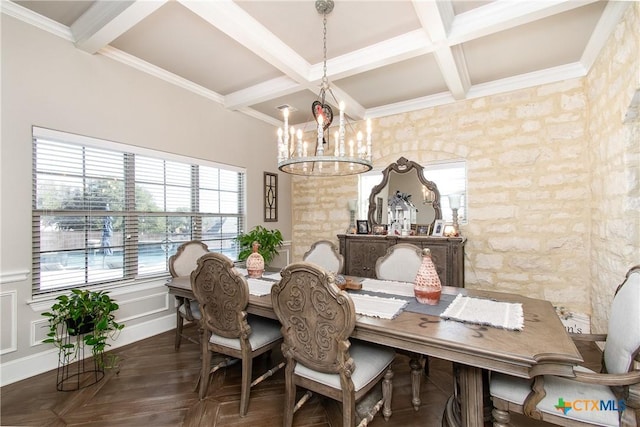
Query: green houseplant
[86, 313]
[269, 240]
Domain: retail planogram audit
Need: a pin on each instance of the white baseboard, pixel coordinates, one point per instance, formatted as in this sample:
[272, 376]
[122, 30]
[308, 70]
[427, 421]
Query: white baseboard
[23, 368]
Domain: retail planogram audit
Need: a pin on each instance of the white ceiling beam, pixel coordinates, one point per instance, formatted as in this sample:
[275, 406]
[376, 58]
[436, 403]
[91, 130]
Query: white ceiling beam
[105, 21]
[387, 52]
[502, 15]
[604, 28]
[274, 88]
[229, 18]
[436, 18]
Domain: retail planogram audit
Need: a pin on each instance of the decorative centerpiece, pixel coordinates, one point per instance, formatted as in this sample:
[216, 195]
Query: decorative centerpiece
[427, 286]
[255, 262]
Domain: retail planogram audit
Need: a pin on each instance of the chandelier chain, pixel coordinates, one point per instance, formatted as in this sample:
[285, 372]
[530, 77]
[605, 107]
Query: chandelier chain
[325, 80]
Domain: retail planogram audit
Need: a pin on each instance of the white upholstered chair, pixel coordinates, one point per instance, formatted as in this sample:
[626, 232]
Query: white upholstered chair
[181, 264]
[317, 319]
[401, 263]
[569, 401]
[223, 294]
[325, 254]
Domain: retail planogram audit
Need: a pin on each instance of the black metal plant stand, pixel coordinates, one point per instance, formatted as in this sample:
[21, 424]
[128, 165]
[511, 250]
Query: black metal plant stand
[74, 370]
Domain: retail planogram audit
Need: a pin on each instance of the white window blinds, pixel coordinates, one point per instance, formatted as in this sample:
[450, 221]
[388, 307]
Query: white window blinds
[108, 213]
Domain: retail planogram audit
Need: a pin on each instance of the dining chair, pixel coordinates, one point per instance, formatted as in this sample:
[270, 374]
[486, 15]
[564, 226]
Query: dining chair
[608, 398]
[317, 319]
[181, 264]
[401, 263]
[223, 294]
[325, 254]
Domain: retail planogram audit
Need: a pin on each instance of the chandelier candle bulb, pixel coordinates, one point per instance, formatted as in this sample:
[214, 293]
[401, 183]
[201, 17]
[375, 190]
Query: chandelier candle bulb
[304, 149]
[351, 147]
[285, 113]
[281, 153]
[359, 144]
[336, 151]
[369, 139]
[320, 148]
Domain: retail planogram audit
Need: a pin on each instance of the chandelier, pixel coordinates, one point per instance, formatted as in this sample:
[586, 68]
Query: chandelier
[324, 156]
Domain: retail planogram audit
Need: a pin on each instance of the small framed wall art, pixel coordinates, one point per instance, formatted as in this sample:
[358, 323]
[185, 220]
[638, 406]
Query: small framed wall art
[270, 197]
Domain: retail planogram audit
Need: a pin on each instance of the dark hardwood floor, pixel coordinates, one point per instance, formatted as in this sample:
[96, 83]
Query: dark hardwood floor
[155, 386]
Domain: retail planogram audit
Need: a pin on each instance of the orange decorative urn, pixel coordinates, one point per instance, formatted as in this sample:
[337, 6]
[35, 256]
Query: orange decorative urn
[255, 262]
[427, 286]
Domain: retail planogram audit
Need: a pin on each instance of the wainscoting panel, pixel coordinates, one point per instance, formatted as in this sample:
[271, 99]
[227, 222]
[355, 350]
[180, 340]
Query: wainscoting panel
[9, 320]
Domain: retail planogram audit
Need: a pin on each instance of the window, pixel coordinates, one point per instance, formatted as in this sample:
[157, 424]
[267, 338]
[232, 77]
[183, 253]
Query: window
[450, 177]
[109, 213]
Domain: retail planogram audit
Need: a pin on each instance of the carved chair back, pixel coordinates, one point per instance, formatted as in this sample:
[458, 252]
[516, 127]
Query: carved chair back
[325, 254]
[317, 318]
[223, 294]
[623, 337]
[400, 263]
[185, 260]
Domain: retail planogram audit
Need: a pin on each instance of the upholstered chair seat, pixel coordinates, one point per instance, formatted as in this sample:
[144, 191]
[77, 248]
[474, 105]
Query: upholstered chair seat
[607, 398]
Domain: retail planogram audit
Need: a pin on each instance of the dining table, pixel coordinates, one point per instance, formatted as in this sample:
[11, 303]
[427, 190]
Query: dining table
[540, 345]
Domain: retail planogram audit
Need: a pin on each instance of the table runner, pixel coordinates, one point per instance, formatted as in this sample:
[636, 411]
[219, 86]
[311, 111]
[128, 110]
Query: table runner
[488, 312]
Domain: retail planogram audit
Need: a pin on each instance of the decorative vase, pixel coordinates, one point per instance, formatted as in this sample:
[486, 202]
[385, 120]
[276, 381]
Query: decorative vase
[255, 262]
[427, 287]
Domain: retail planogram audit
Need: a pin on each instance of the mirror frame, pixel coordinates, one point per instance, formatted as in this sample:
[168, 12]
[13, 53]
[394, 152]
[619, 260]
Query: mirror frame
[402, 165]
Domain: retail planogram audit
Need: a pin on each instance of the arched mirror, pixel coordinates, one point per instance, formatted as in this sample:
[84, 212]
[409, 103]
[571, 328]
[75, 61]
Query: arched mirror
[404, 198]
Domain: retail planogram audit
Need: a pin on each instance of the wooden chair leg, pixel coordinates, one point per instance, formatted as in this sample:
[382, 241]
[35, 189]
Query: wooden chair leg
[387, 391]
[501, 418]
[206, 367]
[247, 366]
[289, 395]
[416, 378]
[179, 327]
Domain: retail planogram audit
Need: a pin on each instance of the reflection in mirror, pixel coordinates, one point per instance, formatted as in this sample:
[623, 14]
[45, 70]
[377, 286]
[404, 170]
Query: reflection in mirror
[404, 198]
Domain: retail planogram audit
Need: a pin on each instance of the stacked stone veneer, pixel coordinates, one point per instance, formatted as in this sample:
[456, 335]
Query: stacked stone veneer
[539, 186]
[613, 95]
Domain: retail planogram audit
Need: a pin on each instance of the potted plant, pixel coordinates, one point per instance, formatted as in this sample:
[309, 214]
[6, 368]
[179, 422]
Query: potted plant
[269, 241]
[84, 313]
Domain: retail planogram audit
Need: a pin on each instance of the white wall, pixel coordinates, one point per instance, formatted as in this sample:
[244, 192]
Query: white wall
[47, 82]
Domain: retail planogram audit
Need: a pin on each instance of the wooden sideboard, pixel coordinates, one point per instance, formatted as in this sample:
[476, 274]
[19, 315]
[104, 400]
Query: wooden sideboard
[361, 251]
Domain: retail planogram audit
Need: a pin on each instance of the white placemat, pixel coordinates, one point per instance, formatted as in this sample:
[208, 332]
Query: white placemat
[384, 308]
[505, 315]
[259, 287]
[272, 275]
[388, 287]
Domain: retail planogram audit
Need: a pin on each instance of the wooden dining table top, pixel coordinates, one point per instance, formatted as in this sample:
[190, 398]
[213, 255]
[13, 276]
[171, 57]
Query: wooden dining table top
[542, 347]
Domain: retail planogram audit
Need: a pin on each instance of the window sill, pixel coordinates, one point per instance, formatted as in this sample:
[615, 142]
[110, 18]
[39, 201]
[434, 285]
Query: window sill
[43, 302]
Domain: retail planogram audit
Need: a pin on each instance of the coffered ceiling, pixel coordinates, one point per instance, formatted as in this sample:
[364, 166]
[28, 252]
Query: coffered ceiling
[384, 57]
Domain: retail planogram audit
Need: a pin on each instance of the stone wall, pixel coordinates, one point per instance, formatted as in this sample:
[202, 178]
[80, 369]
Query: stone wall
[614, 158]
[531, 170]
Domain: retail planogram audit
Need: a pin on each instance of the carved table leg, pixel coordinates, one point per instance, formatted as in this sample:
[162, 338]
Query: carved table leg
[471, 396]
